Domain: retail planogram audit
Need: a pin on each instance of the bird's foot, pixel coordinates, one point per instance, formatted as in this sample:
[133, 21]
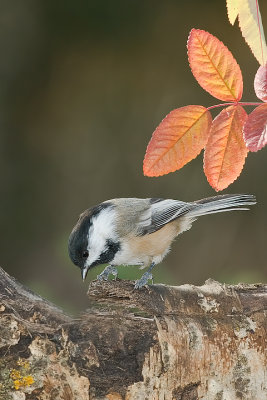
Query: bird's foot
[143, 280]
[109, 270]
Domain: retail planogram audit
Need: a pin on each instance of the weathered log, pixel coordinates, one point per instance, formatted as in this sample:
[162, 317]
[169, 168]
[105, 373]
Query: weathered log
[160, 342]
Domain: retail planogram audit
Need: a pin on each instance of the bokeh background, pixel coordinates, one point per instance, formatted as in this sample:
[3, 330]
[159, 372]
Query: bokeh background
[83, 84]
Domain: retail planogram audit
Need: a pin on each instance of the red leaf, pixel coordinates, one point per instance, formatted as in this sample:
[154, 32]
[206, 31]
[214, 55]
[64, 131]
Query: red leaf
[178, 139]
[255, 129]
[214, 66]
[260, 83]
[226, 151]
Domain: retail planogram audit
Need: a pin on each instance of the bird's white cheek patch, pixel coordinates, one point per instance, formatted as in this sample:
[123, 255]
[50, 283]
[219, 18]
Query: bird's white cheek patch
[96, 245]
[102, 229]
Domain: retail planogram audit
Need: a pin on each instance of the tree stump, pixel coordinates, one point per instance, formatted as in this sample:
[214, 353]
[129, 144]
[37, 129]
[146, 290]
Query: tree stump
[160, 342]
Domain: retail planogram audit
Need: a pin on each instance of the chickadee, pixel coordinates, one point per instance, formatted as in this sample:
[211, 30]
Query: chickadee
[131, 231]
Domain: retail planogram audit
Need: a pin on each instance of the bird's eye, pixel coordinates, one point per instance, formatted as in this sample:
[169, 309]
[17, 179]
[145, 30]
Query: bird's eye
[85, 254]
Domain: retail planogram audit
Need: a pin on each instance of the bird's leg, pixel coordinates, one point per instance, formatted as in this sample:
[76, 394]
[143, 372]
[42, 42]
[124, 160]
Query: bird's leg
[109, 270]
[145, 278]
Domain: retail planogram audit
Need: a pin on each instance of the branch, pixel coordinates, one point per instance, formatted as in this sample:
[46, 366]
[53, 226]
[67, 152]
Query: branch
[160, 342]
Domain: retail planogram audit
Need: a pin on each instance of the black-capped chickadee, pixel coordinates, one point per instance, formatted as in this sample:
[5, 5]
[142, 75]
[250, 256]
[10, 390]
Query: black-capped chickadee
[131, 231]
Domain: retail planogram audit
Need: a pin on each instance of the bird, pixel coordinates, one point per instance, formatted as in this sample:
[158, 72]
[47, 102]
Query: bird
[135, 231]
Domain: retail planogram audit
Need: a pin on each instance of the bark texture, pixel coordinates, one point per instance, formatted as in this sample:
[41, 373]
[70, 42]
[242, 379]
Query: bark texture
[160, 342]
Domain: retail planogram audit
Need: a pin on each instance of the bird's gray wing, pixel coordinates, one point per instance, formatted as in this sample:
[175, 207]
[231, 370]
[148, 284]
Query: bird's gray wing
[159, 213]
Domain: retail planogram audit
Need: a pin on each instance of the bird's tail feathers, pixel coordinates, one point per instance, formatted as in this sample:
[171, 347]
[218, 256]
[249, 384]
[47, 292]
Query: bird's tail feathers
[227, 202]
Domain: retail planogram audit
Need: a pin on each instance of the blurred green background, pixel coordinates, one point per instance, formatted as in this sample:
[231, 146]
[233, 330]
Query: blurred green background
[83, 86]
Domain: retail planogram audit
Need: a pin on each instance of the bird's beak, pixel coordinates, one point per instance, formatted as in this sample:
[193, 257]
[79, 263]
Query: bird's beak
[84, 272]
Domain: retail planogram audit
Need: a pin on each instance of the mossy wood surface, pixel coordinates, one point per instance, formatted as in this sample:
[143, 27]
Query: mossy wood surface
[160, 342]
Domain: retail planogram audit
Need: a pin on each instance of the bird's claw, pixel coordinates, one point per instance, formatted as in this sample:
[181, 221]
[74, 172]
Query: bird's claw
[109, 270]
[143, 280]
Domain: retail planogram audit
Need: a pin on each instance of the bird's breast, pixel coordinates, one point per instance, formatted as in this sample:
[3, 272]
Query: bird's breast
[144, 250]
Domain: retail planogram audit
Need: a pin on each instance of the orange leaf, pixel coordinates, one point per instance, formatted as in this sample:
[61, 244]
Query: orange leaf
[178, 139]
[255, 129]
[226, 151]
[260, 83]
[214, 66]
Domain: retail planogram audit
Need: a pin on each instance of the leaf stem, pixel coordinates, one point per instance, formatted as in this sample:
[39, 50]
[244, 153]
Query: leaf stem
[243, 103]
